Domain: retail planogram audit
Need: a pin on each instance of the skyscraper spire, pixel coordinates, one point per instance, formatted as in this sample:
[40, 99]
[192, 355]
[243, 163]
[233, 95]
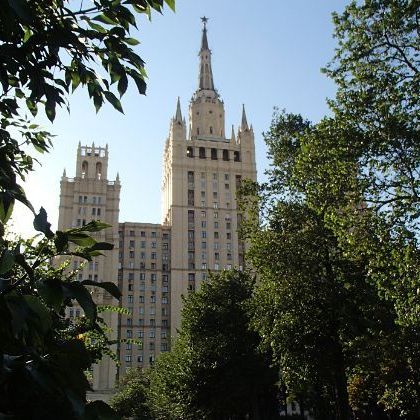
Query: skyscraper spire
[178, 114]
[244, 122]
[205, 81]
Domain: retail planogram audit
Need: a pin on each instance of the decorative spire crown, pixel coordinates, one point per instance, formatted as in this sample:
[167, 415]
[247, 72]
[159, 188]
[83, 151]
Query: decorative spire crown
[205, 81]
[178, 114]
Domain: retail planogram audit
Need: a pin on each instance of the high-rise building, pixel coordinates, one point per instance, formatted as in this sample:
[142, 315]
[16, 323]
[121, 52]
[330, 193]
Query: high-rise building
[155, 264]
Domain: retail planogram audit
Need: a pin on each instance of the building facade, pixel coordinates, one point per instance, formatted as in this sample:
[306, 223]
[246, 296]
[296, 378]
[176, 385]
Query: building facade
[155, 264]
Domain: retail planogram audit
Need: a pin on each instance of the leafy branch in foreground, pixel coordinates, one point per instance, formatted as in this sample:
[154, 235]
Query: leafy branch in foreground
[44, 353]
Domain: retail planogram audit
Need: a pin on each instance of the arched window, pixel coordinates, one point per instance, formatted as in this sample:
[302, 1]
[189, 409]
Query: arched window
[211, 130]
[236, 156]
[202, 153]
[84, 169]
[225, 154]
[98, 170]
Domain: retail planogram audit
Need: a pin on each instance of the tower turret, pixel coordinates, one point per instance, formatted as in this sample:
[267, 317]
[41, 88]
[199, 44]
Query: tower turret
[207, 114]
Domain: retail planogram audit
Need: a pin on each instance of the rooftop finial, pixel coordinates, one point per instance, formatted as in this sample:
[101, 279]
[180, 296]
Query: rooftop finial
[178, 114]
[204, 43]
[244, 122]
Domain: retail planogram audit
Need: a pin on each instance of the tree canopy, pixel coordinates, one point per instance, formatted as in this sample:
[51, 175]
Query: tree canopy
[334, 231]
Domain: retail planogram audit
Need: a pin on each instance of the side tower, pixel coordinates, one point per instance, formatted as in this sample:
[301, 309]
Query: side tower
[90, 196]
[201, 174]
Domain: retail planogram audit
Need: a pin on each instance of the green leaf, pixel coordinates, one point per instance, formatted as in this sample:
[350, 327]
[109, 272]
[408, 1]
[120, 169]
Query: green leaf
[171, 4]
[61, 241]
[101, 246]
[122, 84]
[41, 223]
[113, 100]
[81, 239]
[131, 41]
[6, 261]
[104, 19]
[97, 27]
[110, 287]
[52, 292]
[6, 206]
[93, 226]
[40, 311]
[75, 290]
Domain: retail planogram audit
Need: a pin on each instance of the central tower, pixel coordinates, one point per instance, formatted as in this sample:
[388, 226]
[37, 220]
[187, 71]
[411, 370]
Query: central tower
[201, 174]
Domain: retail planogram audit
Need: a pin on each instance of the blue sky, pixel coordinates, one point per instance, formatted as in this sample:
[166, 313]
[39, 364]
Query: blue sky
[265, 54]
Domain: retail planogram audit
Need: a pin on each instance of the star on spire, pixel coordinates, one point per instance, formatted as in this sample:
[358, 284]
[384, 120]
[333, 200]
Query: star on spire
[204, 19]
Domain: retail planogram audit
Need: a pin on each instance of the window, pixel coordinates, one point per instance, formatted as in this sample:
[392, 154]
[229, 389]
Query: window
[152, 334]
[203, 214]
[129, 333]
[203, 224]
[153, 299]
[141, 310]
[202, 153]
[216, 214]
[236, 156]
[143, 244]
[130, 299]
[154, 245]
[191, 177]
[140, 358]
[128, 346]
[164, 347]
[153, 255]
[226, 177]
[214, 154]
[216, 245]
[143, 234]
[203, 245]
[131, 254]
[153, 234]
[190, 197]
[132, 233]
[216, 266]
[229, 256]
[211, 130]
[190, 152]
[153, 266]
[164, 311]
[225, 154]
[142, 276]
[203, 234]
[132, 243]
[164, 300]
[130, 287]
[140, 334]
[128, 358]
[142, 255]
[228, 235]
[216, 235]
[228, 225]
[204, 266]
[163, 334]
[215, 176]
[216, 225]
[141, 299]
[216, 256]
[215, 205]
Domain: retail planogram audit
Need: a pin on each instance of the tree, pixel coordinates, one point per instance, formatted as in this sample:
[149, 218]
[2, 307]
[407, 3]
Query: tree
[337, 246]
[48, 50]
[130, 399]
[315, 306]
[215, 370]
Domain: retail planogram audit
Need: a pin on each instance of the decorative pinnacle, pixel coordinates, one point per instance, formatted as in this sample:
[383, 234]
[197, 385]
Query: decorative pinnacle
[204, 19]
[244, 122]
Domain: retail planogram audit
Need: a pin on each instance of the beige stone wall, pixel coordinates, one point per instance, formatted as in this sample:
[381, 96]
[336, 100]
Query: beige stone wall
[90, 196]
[145, 281]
